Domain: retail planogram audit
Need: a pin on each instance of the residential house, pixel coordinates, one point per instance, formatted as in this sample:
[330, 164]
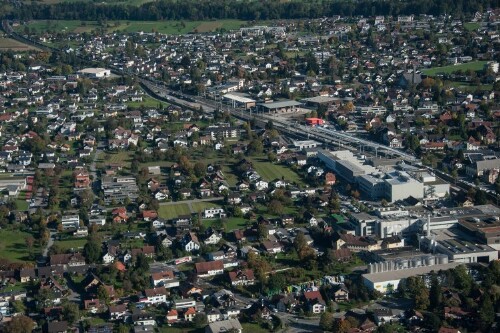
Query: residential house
[209, 268]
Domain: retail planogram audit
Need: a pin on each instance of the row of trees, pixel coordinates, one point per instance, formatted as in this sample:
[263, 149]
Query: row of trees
[245, 10]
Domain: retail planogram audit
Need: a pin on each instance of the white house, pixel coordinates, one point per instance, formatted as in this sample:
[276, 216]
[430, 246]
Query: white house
[190, 242]
[213, 212]
[213, 238]
[70, 222]
[156, 295]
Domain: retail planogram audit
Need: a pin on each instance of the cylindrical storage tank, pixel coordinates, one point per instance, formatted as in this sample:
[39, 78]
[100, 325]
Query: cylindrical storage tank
[431, 261]
[418, 262]
[380, 267]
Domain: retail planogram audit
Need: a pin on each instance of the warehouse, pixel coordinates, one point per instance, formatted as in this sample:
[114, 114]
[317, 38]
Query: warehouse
[239, 101]
[279, 107]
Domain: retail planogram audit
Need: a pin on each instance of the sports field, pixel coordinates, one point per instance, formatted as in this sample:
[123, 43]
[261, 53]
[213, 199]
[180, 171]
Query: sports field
[270, 171]
[172, 211]
[473, 65]
[165, 27]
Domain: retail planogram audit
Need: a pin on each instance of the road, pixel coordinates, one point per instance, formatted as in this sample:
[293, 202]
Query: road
[93, 171]
[45, 252]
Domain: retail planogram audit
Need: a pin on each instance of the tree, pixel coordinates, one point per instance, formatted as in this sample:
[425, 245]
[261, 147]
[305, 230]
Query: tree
[326, 321]
[30, 242]
[463, 281]
[18, 306]
[71, 312]
[19, 324]
[262, 231]
[255, 147]
[276, 281]
[92, 250]
[435, 293]
[486, 311]
[199, 169]
[275, 207]
[200, 320]
[103, 295]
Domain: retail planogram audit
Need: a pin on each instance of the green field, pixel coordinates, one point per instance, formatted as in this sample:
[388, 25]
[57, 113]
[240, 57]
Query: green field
[121, 157]
[22, 205]
[270, 171]
[11, 44]
[174, 210]
[165, 27]
[232, 223]
[473, 65]
[68, 244]
[13, 245]
[472, 26]
[147, 102]
[201, 206]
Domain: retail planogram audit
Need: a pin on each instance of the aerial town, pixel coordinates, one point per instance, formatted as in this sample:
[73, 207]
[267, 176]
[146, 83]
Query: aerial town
[335, 174]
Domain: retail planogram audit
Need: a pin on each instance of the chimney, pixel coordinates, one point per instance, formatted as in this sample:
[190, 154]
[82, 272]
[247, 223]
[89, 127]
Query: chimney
[428, 225]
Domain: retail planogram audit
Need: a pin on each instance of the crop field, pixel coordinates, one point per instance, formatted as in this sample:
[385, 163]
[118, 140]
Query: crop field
[270, 171]
[14, 45]
[165, 27]
[174, 210]
[473, 65]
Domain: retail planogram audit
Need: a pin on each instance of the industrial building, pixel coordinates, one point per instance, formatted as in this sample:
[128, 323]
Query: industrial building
[95, 73]
[345, 164]
[278, 107]
[388, 281]
[238, 100]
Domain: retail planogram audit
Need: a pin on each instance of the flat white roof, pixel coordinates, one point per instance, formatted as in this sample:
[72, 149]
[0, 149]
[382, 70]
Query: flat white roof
[238, 98]
[406, 273]
[92, 70]
[281, 104]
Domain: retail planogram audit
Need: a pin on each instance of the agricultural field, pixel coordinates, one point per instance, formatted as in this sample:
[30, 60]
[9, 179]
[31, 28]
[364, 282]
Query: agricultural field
[174, 210]
[270, 171]
[13, 245]
[14, 45]
[473, 65]
[165, 27]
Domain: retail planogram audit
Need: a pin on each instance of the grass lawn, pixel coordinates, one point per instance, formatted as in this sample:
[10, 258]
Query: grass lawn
[22, 204]
[253, 328]
[173, 329]
[147, 102]
[473, 65]
[201, 206]
[471, 26]
[470, 87]
[232, 223]
[174, 210]
[68, 244]
[270, 171]
[13, 245]
[120, 157]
